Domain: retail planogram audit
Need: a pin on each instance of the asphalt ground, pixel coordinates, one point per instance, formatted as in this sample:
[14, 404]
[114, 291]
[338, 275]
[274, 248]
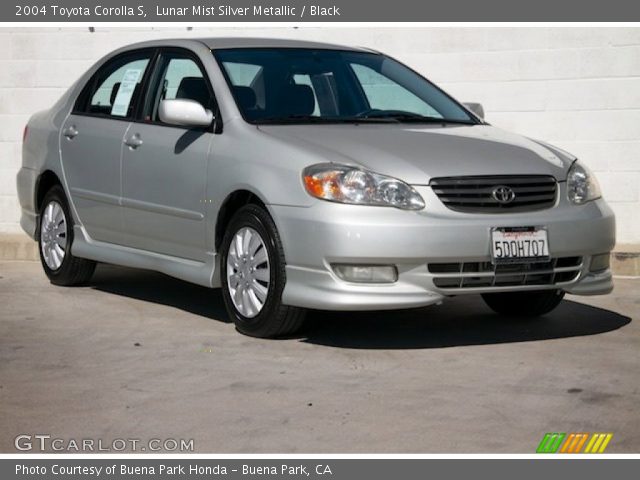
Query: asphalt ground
[136, 355]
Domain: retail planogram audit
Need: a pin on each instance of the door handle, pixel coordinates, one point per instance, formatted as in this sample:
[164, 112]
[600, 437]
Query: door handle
[134, 141]
[70, 132]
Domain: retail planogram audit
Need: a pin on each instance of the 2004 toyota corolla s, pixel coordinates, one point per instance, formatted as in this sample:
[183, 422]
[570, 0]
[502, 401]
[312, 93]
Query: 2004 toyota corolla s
[301, 175]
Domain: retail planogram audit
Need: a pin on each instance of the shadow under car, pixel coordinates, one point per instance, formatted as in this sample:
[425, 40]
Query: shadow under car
[459, 321]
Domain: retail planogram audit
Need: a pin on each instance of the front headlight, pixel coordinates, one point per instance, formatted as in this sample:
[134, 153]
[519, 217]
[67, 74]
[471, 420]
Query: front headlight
[582, 185]
[345, 184]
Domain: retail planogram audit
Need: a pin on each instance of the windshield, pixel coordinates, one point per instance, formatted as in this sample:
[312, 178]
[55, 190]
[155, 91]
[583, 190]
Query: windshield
[301, 85]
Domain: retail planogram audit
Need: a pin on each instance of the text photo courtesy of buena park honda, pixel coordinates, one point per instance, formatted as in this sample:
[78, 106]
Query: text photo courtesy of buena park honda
[319, 239]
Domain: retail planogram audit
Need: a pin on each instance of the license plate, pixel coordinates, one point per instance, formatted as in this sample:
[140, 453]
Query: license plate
[517, 244]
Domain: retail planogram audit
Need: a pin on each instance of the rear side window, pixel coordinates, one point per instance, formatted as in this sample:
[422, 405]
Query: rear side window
[114, 90]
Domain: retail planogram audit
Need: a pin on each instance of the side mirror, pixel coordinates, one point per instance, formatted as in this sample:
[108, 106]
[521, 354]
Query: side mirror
[184, 112]
[475, 108]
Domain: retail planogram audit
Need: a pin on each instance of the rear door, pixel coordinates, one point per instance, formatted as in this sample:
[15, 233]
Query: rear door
[164, 167]
[91, 142]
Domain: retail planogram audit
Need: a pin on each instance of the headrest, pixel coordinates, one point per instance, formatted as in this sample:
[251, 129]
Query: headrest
[194, 88]
[299, 100]
[114, 92]
[246, 97]
[132, 100]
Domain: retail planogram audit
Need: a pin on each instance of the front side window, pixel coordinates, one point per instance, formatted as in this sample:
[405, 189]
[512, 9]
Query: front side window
[299, 85]
[115, 88]
[180, 78]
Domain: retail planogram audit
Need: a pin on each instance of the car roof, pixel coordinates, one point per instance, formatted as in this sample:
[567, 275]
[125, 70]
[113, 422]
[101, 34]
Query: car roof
[248, 42]
[216, 43]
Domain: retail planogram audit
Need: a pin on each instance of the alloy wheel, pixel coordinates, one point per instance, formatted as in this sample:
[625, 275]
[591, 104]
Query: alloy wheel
[248, 272]
[53, 235]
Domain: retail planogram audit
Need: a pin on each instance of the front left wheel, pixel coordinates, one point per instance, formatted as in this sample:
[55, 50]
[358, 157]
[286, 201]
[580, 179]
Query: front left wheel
[55, 238]
[253, 276]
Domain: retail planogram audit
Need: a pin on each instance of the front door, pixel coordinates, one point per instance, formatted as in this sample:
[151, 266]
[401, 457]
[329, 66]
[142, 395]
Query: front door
[91, 143]
[164, 167]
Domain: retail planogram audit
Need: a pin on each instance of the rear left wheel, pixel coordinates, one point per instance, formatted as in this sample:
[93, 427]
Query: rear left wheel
[55, 239]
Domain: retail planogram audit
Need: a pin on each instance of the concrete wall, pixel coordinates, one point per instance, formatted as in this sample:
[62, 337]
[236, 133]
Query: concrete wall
[578, 88]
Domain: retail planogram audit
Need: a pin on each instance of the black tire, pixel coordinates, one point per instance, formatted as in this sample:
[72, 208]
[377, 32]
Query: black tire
[274, 319]
[73, 270]
[524, 304]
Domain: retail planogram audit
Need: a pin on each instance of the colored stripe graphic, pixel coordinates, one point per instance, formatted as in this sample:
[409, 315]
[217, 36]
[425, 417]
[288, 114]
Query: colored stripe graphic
[550, 442]
[569, 444]
[598, 443]
[581, 443]
[574, 443]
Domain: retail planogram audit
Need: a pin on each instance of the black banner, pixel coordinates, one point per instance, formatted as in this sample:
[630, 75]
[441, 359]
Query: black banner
[318, 469]
[96, 11]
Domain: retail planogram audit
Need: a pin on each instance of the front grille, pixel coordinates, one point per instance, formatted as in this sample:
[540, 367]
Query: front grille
[475, 194]
[486, 274]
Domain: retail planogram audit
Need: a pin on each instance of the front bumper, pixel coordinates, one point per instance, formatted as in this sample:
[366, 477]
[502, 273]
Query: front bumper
[327, 233]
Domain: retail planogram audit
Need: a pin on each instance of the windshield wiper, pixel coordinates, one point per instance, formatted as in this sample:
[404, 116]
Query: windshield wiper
[383, 117]
[409, 117]
[293, 119]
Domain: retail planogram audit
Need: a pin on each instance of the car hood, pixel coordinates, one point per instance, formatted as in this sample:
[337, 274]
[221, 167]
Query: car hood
[418, 153]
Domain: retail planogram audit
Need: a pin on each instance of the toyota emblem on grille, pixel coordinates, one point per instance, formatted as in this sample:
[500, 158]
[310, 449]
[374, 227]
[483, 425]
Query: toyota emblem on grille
[503, 194]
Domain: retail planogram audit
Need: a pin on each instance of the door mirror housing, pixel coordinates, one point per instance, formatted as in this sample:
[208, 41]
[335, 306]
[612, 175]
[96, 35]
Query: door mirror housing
[476, 108]
[184, 112]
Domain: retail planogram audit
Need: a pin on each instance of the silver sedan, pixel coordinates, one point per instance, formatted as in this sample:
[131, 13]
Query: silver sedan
[299, 175]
